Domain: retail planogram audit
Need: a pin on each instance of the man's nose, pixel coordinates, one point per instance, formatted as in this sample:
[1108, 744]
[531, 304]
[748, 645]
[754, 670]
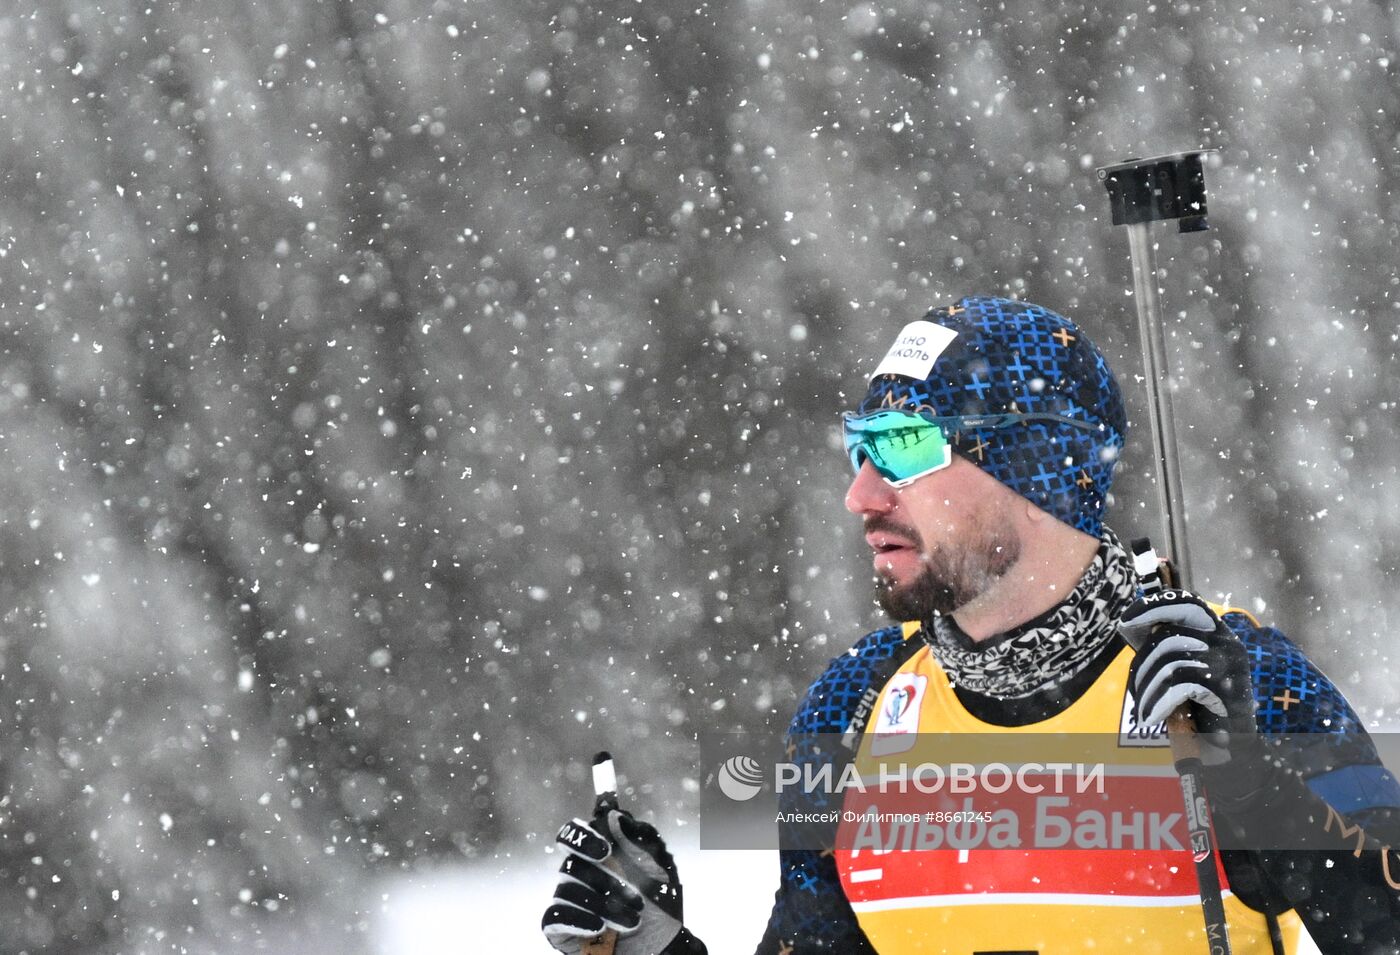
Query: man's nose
[869, 493]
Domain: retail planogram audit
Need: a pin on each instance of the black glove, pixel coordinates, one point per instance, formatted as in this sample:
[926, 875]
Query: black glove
[1187, 655]
[1341, 882]
[642, 904]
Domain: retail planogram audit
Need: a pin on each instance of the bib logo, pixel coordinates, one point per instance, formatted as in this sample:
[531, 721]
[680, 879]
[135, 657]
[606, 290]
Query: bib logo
[897, 705]
[1131, 734]
[898, 724]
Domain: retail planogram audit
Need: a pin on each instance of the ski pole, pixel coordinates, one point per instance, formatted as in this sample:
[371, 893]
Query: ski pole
[605, 800]
[1143, 191]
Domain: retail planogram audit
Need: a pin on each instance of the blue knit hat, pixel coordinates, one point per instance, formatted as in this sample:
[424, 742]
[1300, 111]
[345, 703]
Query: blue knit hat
[995, 356]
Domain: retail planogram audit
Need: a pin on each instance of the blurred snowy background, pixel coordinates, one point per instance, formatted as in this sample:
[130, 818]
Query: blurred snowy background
[403, 399]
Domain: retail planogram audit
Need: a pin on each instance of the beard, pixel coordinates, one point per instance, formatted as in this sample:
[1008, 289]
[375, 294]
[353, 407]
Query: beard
[951, 578]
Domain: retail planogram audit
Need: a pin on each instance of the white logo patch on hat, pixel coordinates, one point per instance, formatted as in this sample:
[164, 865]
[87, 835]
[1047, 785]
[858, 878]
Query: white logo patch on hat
[915, 350]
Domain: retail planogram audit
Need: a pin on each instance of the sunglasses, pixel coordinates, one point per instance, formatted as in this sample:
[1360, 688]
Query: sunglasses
[904, 446]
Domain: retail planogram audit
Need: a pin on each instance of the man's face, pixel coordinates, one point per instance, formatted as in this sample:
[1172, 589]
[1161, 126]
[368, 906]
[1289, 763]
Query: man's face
[939, 542]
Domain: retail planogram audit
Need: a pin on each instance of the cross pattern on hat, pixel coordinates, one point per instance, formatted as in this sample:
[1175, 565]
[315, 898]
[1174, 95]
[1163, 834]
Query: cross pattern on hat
[1019, 367]
[1044, 352]
[1001, 347]
[979, 387]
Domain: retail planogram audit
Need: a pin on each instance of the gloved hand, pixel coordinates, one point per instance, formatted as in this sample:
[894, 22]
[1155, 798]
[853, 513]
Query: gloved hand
[643, 904]
[1185, 654]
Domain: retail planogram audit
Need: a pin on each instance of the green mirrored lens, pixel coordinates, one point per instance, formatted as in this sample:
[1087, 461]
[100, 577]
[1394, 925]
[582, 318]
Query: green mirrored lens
[902, 447]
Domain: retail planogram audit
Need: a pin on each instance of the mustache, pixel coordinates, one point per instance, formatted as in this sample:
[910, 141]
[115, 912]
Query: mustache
[878, 523]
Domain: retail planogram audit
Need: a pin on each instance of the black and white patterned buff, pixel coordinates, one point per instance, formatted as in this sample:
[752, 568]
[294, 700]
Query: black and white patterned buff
[1053, 647]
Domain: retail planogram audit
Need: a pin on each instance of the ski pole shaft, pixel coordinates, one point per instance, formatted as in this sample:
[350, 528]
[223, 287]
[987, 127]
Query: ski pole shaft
[1189, 769]
[1143, 191]
[1186, 757]
[605, 800]
[1159, 397]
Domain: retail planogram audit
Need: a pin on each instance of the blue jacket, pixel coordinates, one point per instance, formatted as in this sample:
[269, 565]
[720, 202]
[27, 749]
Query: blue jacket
[811, 914]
